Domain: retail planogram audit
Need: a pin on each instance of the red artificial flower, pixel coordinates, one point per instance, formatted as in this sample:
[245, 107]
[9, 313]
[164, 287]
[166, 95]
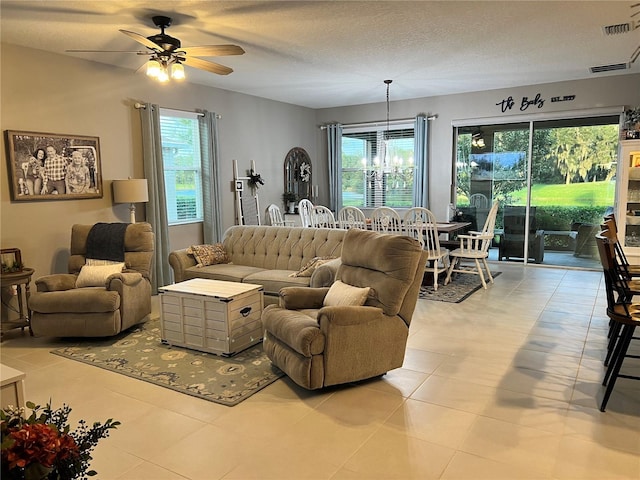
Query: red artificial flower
[38, 443]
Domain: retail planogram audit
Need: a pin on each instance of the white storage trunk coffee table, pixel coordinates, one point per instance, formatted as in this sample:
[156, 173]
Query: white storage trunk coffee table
[211, 315]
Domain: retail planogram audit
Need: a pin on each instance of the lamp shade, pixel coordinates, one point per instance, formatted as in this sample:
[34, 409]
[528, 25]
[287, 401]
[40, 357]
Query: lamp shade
[133, 190]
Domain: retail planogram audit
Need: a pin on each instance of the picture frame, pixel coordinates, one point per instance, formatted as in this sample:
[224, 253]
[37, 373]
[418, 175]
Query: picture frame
[51, 166]
[635, 159]
[11, 260]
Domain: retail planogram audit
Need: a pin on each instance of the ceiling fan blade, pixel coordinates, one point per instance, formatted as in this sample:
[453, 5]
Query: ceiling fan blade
[137, 52]
[143, 40]
[208, 66]
[213, 50]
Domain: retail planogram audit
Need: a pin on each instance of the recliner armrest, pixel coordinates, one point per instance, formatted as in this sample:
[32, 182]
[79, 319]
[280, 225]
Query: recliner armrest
[128, 279]
[296, 298]
[56, 282]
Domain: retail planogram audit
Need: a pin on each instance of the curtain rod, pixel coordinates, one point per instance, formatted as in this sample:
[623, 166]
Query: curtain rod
[380, 122]
[139, 106]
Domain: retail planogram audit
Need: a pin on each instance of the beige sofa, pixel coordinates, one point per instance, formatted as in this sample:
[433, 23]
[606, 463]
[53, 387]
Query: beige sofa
[267, 256]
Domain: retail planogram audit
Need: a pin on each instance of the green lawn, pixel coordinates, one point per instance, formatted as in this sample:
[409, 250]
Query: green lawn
[574, 194]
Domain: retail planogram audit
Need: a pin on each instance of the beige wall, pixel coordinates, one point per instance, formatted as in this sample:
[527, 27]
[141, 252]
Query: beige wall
[608, 91]
[43, 92]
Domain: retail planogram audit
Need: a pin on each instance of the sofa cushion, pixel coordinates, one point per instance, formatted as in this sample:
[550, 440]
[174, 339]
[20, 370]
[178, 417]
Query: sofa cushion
[228, 272]
[280, 248]
[274, 280]
[208, 254]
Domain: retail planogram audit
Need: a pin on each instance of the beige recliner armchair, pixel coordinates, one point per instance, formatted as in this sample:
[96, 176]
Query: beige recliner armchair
[318, 346]
[61, 309]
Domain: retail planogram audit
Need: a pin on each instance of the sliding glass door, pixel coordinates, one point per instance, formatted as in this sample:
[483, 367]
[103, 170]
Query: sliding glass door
[554, 181]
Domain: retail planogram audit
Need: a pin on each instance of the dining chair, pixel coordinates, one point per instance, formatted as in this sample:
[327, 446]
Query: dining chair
[474, 247]
[352, 217]
[276, 218]
[322, 217]
[386, 220]
[420, 223]
[624, 314]
[479, 200]
[630, 285]
[304, 210]
[611, 231]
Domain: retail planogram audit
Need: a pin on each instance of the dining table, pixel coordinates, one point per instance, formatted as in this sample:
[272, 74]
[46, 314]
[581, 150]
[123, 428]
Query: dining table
[451, 227]
[443, 227]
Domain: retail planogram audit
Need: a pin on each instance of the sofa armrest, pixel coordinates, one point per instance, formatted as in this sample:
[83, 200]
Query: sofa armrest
[296, 298]
[56, 282]
[325, 274]
[180, 260]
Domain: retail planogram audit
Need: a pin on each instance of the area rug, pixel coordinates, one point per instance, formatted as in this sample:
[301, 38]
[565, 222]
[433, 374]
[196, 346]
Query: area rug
[138, 353]
[460, 288]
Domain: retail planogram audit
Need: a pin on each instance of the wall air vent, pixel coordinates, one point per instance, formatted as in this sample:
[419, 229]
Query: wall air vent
[609, 68]
[617, 29]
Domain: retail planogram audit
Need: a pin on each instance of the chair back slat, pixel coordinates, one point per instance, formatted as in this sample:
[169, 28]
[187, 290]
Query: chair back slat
[322, 217]
[352, 217]
[386, 220]
[304, 210]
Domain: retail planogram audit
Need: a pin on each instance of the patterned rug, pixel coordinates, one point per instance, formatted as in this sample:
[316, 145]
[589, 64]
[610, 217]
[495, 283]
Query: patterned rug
[138, 353]
[460, 287]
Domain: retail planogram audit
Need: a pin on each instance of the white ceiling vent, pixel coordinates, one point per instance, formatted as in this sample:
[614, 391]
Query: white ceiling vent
[609, 68]
[621, 28]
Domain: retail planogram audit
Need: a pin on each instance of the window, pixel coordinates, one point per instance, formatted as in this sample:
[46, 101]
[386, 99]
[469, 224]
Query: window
[181, 156]
[378, 166]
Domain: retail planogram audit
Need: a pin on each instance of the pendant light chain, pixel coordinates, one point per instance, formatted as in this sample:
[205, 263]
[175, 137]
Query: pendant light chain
[388, 82]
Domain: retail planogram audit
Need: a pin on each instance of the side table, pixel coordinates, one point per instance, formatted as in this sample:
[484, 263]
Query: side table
[19, 279]
[11, 387]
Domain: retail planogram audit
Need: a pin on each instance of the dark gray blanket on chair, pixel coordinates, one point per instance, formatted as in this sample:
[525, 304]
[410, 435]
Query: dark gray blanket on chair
[106, 241]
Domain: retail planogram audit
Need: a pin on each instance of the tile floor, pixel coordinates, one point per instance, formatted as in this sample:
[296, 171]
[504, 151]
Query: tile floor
[505, 385]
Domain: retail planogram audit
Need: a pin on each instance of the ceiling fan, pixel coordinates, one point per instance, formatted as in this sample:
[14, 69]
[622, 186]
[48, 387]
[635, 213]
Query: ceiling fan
[167, 55]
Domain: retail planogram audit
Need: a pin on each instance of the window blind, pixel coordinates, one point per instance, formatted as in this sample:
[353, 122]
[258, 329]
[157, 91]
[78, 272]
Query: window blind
[182, 163]
[378, 166]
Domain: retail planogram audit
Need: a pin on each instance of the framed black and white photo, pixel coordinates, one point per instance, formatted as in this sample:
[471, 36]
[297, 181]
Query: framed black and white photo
[49, 166]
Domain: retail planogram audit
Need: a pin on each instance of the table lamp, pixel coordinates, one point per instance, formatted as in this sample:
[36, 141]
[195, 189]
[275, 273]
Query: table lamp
[131, 191]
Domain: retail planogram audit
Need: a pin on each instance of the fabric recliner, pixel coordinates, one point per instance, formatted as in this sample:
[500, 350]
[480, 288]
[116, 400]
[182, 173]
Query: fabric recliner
[59, 309]
[318, 346]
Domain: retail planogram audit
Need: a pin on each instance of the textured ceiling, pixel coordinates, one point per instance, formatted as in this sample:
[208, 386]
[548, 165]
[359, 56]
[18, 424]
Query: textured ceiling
[332, 53]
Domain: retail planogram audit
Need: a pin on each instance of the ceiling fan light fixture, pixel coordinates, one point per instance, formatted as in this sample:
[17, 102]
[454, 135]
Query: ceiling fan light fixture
[163, 75]
[153, 68]
[177, 71]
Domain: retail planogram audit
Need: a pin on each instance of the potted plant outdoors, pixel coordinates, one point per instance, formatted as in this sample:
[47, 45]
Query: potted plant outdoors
[290, 199]
[632, 123]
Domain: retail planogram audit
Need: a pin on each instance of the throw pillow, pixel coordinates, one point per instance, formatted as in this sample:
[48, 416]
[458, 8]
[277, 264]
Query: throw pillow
[96, 275]
[308, 269]
[94, 262]
[208, 254]
[343, 294]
